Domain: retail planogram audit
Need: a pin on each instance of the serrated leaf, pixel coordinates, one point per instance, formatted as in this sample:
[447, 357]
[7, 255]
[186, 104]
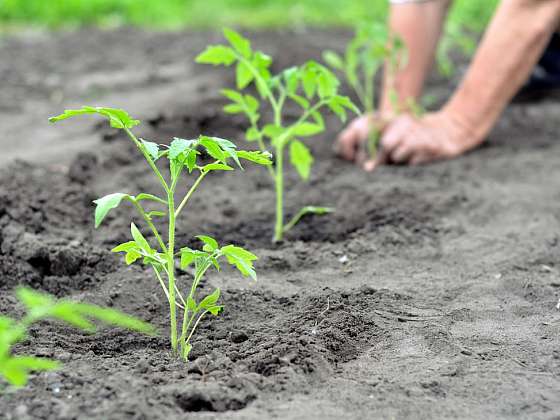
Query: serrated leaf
[309, 81]
[210, 242]
[118, 118]
[105, 204]
[301, 158]
[212, 148]
[209, 301]
[241, 44]
[243, 75]
[217, 55]
[241, 259]
[258, 157]
[187, 257]
[178, 146]
[152, 149]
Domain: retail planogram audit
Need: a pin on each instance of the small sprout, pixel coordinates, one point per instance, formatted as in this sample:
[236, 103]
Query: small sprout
[182, 157]
[312, 87]
[39, 306]
[365, 55]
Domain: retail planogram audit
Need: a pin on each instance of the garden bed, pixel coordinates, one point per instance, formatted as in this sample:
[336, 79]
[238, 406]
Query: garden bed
[430, 293]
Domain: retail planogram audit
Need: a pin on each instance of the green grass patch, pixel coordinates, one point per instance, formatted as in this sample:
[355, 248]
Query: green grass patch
[209, 14]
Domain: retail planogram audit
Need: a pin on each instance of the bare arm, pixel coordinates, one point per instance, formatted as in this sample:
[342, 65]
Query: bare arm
[420, 26]
[509, 51]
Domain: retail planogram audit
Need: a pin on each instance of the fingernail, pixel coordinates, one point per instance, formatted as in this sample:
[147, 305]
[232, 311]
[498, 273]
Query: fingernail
[369, 166]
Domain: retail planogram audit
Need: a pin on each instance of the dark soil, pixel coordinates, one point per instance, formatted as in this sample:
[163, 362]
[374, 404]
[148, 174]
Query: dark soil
[430, 293]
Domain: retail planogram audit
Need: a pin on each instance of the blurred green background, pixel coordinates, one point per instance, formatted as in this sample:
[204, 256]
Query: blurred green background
[175, 14]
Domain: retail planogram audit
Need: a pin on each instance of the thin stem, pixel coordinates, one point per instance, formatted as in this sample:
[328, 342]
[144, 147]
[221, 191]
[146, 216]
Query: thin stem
[165, 289]
[171, 267]
[279, 184]
[148, 159]
[267, 92]
[196, 325]
[150, 224]
[189, 193]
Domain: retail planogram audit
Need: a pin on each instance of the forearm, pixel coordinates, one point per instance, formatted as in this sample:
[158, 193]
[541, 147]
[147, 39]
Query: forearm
[419, 25]
[510, 49]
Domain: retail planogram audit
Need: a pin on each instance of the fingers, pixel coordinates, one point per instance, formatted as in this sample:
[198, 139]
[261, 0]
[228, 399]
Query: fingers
[346, 143]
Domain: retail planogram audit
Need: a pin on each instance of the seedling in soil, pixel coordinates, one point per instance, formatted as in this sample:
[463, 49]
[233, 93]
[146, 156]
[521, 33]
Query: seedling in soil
[311, 87]
[182, 157]
[15, 369]
[364, 57]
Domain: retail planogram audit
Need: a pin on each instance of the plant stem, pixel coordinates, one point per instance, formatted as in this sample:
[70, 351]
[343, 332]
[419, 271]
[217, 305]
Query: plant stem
[148, 159]
[171, 268]
[150, 224]
[279, 185]
[189, 193]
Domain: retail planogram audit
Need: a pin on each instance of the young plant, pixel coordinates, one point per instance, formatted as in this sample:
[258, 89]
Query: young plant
[182, 157]
[15, 369]
[364, 56]
[312, 87]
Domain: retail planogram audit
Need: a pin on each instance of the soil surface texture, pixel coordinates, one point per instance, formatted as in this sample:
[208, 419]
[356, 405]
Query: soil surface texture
[432, 292]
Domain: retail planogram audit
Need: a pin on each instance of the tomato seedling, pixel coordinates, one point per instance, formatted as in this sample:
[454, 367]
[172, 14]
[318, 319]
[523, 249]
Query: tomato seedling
[312, 87]
[363, 58]
[39, 306]
[183, 157]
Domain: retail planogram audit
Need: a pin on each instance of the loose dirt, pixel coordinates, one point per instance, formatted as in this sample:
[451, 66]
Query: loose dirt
[430, 293]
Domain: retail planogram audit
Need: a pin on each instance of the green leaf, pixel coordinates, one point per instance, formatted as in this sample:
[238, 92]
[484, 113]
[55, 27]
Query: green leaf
[125, 247]
[191, 304]
[301, 101]
[118, 118]
[215, 310]
[241, 44]
[105, 204]
[156, 214]
[234, 109]
[210, 244]
[233, 95]
[309, 81]
[258, 157]
[273, 131]
[243, 75]
[301, 158]
[150, 197]
[16, 369]
[306, 129]
[140, 240]
[213, 148]
[252, 134]
[178, 146]
[216, 167]
[241, 259]
[113, 317]
[131, 256]
[209, 301]
[152, 149]
[66, 311]
[187, 257]
[217, 55]
[334, 60]
[291, 76]
[34, 300]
